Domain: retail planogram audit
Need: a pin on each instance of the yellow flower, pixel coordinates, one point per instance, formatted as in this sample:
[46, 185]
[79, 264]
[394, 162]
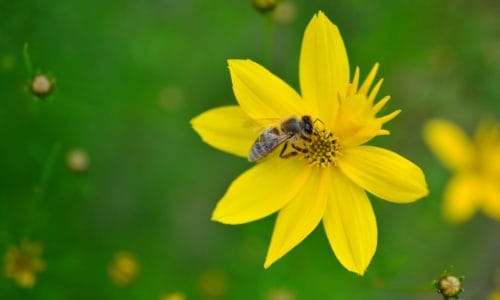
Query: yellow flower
[173, 296]
[328, 182]
[495, 295]
[123, 269]
[475, 164]
[23, 263]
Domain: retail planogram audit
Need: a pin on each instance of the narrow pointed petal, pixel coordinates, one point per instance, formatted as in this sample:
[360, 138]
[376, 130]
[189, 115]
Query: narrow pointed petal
[350, 223]
[390, 116]
[384, 173]
[356, 124]
[226, 128]
[261, 94]
[353, 87]
[461, 198]
[299, 218]
[374, 91]
[449, 143]
[261, 191]
[365, 87]
[377, 107]
[324, 67]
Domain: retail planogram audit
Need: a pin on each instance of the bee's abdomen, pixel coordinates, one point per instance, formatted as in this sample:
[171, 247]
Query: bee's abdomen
[258, 151]
[264, 144]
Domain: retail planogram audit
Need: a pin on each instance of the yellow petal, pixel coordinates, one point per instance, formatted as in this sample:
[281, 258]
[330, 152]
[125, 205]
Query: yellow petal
[374, 91]
[449, 143]
[367, 84]
[324, 67]
[356, 123]
[299, 217]
[461, 198]
[491, 199]
[226, 128]
[384, 173]
[261, 191]
[261, 94]
[350, 223]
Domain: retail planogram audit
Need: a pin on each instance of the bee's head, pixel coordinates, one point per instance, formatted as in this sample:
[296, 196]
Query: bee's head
[308, 124]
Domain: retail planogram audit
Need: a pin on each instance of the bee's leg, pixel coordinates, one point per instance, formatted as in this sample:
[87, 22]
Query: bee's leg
[300, 149]
[289, 154]
[306, 138]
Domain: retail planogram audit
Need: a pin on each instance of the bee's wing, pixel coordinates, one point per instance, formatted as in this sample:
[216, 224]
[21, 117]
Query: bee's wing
[266, 143]
[260, 125]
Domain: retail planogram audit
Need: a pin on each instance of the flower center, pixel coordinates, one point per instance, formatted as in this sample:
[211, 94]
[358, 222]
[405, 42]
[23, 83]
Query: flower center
[323, 149]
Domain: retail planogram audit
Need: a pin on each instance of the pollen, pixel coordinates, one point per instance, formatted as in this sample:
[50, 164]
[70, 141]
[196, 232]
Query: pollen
[323, 149]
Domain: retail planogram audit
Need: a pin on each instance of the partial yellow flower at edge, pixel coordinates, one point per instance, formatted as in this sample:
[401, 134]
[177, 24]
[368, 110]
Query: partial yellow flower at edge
[327, 177]
[475, 162]
[495, 295]
[23, 263]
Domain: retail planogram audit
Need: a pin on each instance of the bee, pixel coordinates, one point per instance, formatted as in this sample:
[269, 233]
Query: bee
[289, 130]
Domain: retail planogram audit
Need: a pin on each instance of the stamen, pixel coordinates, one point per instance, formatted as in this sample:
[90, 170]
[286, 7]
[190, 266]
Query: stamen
[323, 149]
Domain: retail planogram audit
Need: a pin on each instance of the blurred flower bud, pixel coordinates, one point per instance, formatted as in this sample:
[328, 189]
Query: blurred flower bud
[264, 5]
[77, 160]
[41, 86]
[123, 269]
[171, 98]
[449, 286]
[280, 294]
[285, 12]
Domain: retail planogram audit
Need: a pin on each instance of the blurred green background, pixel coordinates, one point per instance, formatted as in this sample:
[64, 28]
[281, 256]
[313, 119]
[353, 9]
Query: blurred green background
[131, 74]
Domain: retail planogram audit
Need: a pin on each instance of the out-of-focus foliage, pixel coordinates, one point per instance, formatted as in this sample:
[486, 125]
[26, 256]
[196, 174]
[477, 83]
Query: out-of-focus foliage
[129, 75]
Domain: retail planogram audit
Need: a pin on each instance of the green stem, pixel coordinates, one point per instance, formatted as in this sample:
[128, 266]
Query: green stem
[41, 186]
[27, 61]
[268, 38]
[411, 289]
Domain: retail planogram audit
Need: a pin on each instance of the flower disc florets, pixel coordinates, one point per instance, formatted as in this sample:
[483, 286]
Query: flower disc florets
[323, 148]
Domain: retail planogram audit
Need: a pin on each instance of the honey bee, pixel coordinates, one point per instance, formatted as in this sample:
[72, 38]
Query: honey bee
[289, 130]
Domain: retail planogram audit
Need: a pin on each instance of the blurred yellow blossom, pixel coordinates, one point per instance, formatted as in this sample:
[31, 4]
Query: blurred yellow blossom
[329, 170]
[475, 163]
[123, 269]
[495, 295]
[212, 284]
[173, 296]
[24, 262]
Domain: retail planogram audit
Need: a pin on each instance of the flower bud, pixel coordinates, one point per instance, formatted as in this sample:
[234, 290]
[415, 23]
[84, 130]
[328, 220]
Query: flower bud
[264, 5]
[285, 13]
[41, 86]
[77, 160]
[449, 286]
